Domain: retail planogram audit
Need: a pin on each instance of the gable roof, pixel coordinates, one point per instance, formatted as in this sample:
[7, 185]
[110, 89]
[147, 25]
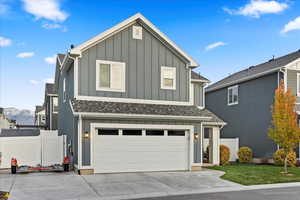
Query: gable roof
[102, 36]
[252, 72]
[198, 78]
[38, 108]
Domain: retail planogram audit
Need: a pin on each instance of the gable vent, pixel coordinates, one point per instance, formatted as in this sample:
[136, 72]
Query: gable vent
[137, 32]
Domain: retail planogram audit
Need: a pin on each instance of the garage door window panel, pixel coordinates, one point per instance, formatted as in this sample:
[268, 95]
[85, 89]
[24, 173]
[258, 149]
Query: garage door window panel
[132, 132]
[176, 133]
[108, 132]
[154, 132]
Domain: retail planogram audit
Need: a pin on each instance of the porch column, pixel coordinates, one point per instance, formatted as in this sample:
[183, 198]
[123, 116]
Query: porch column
[214, 137]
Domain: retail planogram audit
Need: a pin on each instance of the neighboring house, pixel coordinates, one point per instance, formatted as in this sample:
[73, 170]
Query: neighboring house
[6, 123]
[39, 116]
[51, 106]
[129, 101]
[244, 101]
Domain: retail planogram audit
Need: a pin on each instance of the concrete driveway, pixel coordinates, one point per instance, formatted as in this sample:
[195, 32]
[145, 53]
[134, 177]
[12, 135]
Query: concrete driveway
[48, 186]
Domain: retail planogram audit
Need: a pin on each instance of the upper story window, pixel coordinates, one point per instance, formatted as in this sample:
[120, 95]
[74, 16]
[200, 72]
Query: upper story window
[55, 104]
[168, 78]
[110, 76]
[298, 84]
[233, 95]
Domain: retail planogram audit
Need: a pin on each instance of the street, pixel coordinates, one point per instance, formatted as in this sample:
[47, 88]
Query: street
[290, 193]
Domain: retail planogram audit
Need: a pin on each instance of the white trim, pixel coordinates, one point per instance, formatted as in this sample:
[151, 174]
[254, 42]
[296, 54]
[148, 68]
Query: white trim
[131, 100]
[231, 88]
[50, 114]
[71, 106]
[191, 92]
[163, 70]
[64, 90]
[292, 64]
[76, 63]
[110, 63]
[189, 128]
[79, 142]
[121, 26]
[200, 81]
[134, 116]
[298, 82]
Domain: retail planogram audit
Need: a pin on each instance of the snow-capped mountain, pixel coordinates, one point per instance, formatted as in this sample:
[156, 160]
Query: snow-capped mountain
[22, 116]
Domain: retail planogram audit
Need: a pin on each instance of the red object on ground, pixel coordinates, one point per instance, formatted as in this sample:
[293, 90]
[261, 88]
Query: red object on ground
[66, 160]
[14, 162]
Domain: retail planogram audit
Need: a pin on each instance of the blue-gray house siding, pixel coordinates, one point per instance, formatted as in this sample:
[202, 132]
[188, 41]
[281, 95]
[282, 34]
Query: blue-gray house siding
[250, 119]
[143, 59]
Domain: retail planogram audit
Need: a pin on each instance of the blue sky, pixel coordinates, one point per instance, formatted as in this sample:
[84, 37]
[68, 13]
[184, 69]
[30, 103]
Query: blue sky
[224, 36]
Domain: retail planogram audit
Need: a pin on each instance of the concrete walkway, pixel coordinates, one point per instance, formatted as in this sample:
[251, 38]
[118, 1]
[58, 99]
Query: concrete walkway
[67, 186]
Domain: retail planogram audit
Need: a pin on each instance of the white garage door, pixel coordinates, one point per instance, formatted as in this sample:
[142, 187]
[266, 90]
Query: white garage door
[133, 150]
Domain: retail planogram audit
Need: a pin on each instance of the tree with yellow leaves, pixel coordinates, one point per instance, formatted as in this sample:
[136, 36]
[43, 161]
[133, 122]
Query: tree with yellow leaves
[284, 130]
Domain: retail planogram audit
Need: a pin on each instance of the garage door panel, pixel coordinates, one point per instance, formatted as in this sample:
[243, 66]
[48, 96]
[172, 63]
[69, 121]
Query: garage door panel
[140, 153]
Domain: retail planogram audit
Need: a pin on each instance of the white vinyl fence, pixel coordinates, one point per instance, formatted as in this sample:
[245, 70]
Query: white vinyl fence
[45, 149]
[232, 143]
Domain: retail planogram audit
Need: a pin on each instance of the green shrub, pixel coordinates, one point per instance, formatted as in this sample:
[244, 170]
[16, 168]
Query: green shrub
[224, 154]
[279, 157]
[245, 155]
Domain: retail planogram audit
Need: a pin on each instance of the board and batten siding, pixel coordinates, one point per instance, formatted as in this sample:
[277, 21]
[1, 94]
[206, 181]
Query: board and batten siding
[198, 94]
[143, 59]
[292, 82]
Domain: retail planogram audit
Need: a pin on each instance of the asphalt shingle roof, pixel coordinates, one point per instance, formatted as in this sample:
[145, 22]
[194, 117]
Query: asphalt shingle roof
[38, 108]
[142, 109]
[50, 89]
[253, 70]
[197, 76]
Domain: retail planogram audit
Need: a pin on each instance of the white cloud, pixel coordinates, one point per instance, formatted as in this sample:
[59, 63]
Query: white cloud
[215, 45]
[292, 25]
[55, 26]
[256, 8]
[4, 41]
[51, 59]
[34, 82]
[3, 9]
[25, 54]
[48, 9]
[49, 80]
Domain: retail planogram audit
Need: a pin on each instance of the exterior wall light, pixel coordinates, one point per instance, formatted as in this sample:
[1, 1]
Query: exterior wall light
[86, 135]
[196, 136]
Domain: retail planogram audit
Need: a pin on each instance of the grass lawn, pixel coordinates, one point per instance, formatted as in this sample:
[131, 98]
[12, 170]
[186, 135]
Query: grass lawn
[250, 174]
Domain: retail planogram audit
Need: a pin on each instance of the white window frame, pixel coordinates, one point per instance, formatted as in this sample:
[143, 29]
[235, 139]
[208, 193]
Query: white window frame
[99, 88]
[298, 82]
[53, 105]
[231, 88]
[162, 86]
[64, 90]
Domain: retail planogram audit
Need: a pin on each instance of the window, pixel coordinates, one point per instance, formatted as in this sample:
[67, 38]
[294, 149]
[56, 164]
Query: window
[168, 78]
[64, 90]
[298, 84]
[154, 132]
[132, 132]
[233, 95]
[55, 104]
[137, 32]
[176, 133]
[110, 76]
[108, 132]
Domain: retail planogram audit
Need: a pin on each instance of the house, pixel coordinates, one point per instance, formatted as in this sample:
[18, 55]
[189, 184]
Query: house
[244, 101]
[51, 106]
[39, 116]
[6, 123]
[129, 101]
